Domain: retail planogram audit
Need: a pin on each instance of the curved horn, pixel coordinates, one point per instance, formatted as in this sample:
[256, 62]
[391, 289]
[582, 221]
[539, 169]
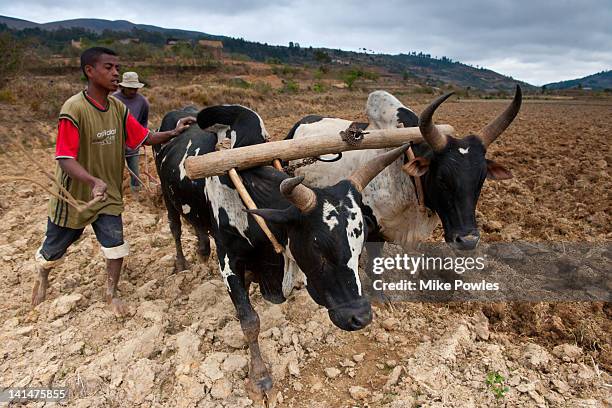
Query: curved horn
[432, 136]
[298, 194]
[362, 176]
[489, 133]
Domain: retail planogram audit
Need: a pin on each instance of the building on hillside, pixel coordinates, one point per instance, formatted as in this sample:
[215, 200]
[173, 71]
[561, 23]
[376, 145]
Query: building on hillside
[341, 62]
[214, 47]
[76, 44]
[129, 41]
[177, 41]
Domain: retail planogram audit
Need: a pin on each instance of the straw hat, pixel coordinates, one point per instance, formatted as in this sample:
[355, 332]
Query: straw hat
[130, 80]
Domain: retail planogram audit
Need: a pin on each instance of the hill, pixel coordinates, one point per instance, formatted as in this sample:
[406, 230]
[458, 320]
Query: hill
[600, 81]
[98, 26]
[419, 67]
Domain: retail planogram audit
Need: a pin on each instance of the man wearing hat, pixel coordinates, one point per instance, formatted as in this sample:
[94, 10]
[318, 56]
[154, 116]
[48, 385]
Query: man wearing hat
[139, 108]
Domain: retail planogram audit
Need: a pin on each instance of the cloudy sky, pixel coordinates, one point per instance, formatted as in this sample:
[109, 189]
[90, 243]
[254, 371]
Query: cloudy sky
[537, 41]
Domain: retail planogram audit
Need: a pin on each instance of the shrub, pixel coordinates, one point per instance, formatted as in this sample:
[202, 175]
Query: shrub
[285, 71]
[263, 88]
[238, 83]
[291, 87]
[495, 381]
[318, 87]
[406, 75]
[6, 96]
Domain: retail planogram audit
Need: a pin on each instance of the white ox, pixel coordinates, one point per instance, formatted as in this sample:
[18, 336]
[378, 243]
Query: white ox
[390, 195]
[451, 170]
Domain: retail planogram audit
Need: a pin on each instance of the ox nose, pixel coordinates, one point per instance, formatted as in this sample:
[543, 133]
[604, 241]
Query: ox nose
[466, 242]
[359, 321]
[352, 317]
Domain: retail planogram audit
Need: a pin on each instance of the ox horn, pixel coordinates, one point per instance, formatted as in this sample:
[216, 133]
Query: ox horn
[489, 133]
[362, 176]
[298, 194]
[432, 136]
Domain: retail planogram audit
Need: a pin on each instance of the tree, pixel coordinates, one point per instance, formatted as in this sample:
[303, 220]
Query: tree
[12, 56]
[322, 57]
[351, 76]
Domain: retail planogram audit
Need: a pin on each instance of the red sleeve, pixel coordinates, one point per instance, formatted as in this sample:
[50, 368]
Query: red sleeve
[136, 133]
[67, 145]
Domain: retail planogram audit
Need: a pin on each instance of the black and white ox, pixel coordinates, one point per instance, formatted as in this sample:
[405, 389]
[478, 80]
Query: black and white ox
[452, 172]
[322, 229]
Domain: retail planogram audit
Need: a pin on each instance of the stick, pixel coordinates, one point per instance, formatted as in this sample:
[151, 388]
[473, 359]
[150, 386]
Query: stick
[92, 202]
[138, 179]
[248, 201]
[65, 195]
[68, 197]
[220, 162]
[80, 206]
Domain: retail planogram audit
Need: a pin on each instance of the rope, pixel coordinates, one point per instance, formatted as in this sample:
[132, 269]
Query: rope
[353, 135]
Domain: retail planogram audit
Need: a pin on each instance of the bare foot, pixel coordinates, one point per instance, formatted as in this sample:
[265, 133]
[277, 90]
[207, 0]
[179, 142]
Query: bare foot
[39, 293]
[118, 307]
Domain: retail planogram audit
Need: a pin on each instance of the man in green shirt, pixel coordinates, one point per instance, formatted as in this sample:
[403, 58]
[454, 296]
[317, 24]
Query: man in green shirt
[94, 130]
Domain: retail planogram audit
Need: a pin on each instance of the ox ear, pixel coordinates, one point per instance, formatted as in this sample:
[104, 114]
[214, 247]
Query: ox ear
[285, 216]
[417, 166]
[497, 171]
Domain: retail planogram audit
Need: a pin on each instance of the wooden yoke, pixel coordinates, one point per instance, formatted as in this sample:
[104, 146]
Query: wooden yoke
[230, 160]
[220, 162]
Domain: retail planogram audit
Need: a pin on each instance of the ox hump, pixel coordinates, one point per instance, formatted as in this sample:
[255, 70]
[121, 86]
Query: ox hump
[385, 111]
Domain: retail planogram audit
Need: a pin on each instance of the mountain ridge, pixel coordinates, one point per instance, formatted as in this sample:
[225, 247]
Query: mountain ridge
[598, 81]
[422, 67]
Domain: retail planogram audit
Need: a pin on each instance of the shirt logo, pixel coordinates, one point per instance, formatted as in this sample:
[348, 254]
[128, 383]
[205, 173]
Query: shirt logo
[105, 137]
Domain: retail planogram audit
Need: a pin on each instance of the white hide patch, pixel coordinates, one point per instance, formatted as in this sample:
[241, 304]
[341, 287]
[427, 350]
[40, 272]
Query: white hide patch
[182, 172]
[264, 132]
[355, 236]
[464, 151]
[330, 215]
[186, 208]
[220, 130]
[381, 109]
[221, 196]
[226, 272]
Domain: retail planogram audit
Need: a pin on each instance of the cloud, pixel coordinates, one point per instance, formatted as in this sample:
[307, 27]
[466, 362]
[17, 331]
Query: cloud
[531, 40]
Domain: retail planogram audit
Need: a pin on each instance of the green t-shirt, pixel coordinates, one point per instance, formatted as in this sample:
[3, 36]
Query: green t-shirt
[102, 135]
